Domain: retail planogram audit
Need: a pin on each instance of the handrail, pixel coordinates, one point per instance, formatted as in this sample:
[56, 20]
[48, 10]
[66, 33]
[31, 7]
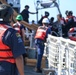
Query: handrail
[64, 54]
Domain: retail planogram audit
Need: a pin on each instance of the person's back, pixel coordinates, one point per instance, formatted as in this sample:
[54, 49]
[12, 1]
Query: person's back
[40, 21]
[41, 33]
[40, 39]
[45, 16]
[16, 26]
[11, 44]
[51, 21]
[19, 27]
[71, 22]
[25, 13]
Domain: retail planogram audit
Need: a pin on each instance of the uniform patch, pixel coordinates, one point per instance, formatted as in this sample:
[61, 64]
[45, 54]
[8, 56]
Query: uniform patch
[18, 35]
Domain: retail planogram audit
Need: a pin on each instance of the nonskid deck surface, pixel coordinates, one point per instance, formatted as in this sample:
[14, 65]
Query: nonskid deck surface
[30, 70]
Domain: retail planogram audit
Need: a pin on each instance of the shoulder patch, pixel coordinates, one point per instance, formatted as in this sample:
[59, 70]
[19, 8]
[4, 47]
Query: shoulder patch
[18, 35]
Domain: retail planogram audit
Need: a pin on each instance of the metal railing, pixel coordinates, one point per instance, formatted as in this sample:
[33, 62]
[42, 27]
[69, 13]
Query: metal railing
[61, 55]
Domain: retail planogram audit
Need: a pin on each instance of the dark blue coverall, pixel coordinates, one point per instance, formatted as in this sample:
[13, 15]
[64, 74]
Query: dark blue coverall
[40, 48]
[15, 42]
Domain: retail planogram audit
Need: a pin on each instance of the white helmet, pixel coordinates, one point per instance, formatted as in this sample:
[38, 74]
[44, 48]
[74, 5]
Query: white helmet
[45, 20]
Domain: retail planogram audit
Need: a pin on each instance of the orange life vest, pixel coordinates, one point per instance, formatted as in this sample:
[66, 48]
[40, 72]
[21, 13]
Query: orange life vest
[74, 18]
[62, 20]
[41, 33]
[66, 19]
[5, 51]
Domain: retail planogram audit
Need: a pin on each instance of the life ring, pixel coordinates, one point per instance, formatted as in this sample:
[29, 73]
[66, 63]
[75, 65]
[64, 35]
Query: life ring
[72, 33]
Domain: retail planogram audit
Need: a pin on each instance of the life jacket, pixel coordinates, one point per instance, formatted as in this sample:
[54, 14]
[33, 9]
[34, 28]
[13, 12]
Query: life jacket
[62, 21]
[66, 19]
[73, 17]
[16, 26]
[41, 33]
[5, 51]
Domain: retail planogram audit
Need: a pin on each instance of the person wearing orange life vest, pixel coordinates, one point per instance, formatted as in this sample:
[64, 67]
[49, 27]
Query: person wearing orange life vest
[66, 18]
[45, 16]
[71, 21]
[19, 27]
[40, 38]
[59, 25]
[11, 44]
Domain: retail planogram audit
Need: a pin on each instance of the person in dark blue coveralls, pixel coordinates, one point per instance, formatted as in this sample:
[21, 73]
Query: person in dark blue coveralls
[11, 45]
[40, 39]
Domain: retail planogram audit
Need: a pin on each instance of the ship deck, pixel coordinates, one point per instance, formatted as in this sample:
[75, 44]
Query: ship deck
[30, 70]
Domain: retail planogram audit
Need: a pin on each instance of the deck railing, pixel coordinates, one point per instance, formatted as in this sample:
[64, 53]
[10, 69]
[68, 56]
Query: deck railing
[61, 55]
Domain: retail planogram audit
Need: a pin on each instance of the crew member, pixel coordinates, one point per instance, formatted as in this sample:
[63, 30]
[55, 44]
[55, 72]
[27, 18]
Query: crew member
[71, 21]
[40, 40]
[25, 13]
[19, 27]
[11, 45]
[45, 16]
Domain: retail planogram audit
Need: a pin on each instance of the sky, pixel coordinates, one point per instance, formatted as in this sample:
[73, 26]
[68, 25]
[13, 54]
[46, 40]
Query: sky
[63, 5]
